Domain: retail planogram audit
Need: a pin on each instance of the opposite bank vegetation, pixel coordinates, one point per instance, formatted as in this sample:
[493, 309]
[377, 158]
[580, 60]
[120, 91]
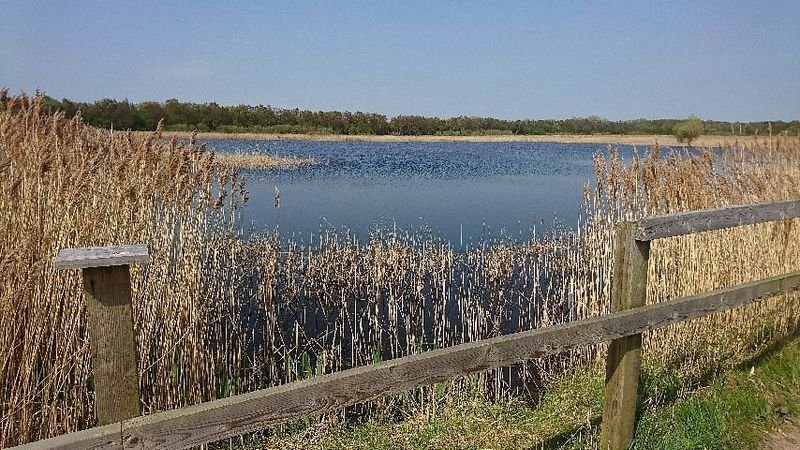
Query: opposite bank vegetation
[261, 119]
[217, 315]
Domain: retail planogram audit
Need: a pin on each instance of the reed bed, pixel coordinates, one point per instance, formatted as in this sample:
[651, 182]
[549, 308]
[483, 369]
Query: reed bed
[64, 184]
[261, 161]
[216, 315]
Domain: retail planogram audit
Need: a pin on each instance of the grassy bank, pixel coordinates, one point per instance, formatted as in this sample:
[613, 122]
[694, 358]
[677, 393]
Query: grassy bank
[737, 408]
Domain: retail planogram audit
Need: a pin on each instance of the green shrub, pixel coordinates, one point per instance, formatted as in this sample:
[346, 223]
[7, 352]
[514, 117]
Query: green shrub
[688, 130]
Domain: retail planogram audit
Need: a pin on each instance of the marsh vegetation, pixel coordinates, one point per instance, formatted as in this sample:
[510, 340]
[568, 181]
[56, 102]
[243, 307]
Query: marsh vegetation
[217, 315]
[261, 161]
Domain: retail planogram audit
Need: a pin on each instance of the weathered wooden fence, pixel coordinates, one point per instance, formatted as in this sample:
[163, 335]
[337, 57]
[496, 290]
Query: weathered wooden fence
[107, 283]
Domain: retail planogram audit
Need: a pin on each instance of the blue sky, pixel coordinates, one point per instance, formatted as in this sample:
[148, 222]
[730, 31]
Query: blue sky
[617, 59]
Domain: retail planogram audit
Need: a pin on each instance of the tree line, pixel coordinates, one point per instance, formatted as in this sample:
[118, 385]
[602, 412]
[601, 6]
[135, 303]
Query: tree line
[186, 116]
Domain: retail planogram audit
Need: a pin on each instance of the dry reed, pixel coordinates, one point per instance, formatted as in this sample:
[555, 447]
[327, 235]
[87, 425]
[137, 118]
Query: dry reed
[64, 184]
[259, 161]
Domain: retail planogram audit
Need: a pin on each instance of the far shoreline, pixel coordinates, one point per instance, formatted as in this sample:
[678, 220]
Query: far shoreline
[606, 139]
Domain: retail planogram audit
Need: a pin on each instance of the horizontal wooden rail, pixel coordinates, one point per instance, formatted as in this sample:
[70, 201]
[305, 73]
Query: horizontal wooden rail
[668, 225]
[105, 437]
[116, 255]
[232, 416]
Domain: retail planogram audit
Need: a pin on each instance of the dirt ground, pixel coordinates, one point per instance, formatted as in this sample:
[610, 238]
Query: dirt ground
[787, 437]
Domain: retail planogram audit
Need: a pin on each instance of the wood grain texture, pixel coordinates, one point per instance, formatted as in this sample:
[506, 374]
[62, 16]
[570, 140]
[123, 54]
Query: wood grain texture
[657, 227]
[624, 359]
[117, 255]
[107, 437]
[212, 421]
[110, 326]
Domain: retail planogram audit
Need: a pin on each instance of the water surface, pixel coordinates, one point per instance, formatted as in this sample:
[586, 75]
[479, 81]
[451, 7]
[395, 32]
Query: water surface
[461, 191]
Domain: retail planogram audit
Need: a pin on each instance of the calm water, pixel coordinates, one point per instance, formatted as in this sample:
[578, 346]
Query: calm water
[461, 192]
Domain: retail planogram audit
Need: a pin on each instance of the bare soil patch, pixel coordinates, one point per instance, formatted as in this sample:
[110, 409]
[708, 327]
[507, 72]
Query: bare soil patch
[787, 437]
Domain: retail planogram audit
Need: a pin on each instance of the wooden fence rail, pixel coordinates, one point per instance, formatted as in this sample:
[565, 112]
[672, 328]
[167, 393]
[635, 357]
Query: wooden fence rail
[629, 288]
[232, 416]
[677, 224]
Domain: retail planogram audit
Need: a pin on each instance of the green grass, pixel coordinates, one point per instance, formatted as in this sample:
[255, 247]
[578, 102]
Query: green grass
[734, 411]
[731, 409]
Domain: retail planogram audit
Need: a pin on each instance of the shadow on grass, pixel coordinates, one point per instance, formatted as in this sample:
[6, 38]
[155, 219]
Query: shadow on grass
[664, 389]
[570, 438]
[768, 351]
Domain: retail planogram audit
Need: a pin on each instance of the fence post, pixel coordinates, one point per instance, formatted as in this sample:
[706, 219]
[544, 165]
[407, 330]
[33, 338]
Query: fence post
[107, 284]
[628, 290]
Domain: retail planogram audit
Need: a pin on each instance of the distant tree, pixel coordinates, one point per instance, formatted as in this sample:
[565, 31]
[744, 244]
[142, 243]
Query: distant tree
[688, 130]
[148, 115]
[181, 116]
[413, 125]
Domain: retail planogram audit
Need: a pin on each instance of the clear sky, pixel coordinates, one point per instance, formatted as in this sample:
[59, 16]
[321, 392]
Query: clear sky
[729, 60]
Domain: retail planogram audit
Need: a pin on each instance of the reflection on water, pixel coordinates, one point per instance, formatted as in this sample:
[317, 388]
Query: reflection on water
[461, 191]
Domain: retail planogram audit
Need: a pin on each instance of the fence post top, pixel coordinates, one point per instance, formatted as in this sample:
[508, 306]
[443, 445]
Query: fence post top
[114, 255]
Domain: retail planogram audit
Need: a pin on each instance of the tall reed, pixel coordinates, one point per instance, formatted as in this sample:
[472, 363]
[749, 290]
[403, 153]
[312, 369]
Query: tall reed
[64, 184]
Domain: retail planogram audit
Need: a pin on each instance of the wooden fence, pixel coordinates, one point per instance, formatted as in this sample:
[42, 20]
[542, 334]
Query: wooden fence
[107, 283]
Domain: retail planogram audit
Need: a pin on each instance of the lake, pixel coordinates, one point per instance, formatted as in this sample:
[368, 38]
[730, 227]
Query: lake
[463, 192]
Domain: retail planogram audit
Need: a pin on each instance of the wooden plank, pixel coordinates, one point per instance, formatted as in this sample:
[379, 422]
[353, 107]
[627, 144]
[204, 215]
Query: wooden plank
[657, 227]
[110, 326]
[117, 255]
[624, 359]
[220, 419]
[107, 437]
